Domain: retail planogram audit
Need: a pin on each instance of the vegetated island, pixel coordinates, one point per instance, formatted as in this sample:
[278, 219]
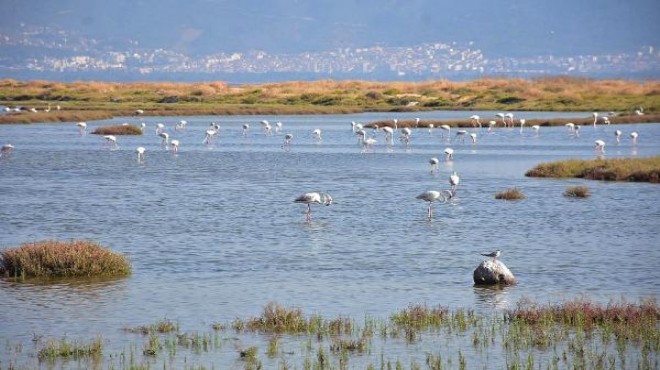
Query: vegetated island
[49, 101]
[616, 169]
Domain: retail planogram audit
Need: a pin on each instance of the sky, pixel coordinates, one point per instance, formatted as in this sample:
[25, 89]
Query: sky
[498, 27]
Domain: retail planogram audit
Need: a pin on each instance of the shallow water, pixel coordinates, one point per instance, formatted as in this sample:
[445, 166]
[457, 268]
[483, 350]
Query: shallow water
[213, 233]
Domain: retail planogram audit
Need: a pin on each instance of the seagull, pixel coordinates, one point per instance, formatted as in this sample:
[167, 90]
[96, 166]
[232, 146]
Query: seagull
[314, 197]
[430, 196]
[6, 150]
[493, 255]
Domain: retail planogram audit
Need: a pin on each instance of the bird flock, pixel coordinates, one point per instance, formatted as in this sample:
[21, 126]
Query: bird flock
[367, 139]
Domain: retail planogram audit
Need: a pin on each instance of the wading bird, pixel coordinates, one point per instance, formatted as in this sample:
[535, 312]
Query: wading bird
[175, 146]
[454, 180]
[475, 120]
[449, 154]
[313, 198]
[501, 115]
[473, 137]
[159, 128]
[434, 164]
[595, 115]
[447, 129]
[600, 146]
[617, 135]
[182, 125]
[317, 135]
[431, 196]
[633, 136]
[288, 138]
[140, 154]
[82, 127]
[246, 128]
[166, 139]
[5, 150]
[111, 141]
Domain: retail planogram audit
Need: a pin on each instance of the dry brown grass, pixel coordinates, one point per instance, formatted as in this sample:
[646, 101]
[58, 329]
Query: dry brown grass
[118, 130]
[53, 258]
[577, 191]
[618, 169]
[510, 194]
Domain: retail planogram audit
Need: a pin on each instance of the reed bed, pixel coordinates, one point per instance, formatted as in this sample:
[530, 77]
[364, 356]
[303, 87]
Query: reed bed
[325, 96]
[510, 194]
[617, 169]
[572, 334]
[51, 258]
[118, 130]
[577, 191]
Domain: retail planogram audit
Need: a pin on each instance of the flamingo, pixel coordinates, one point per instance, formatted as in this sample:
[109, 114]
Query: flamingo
[417, 122]
[617, 135]
[405, 135]
[210, 136]
[510, 117]
[166, 139]
[434, 164]
[361, 134]
[431, 126]
[570, 126]
[491, 125]
[600, 146]
[454, 180]
[389, 132]
[267, 128]
[431, 196]
[5, 150]
[140, 154]
[111, 140]
[317, 135]
[522, 125]
[449, 153]
[181, 125]
[447, 129]
[576, 132]
[159, 128]
[396, 124]
[288, 138]
[595, 115]
[313, 198]
[633, 136]
[462, 134]
[278, 127]
[475, 120]
[368, 143]
[82, 127]
[536, 129]
[142, 126]
[175, 146]
[246, 128]
[501, 115]
[606, 120]
[473, 137]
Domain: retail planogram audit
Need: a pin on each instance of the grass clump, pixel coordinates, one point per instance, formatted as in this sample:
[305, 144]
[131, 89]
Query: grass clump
[279, 319]
[53, 258]
[510, 194]
[64, 349]
[618, 169]
[577, 191]
[160, 327]
[118, 130]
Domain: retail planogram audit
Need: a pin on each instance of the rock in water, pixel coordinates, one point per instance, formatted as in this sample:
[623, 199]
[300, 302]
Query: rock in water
[491, 272]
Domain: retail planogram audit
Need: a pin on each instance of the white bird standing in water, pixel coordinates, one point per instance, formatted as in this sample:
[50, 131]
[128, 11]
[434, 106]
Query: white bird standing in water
[430, 196]
[571, 127]
[5, 150]
[405, 135]
[267, 128]
[313, 198]
[181, 125]
[595, 115]
[159, 128]
[431, 126]
[447, 129]
[522, 125]
[140, 154]
[434, 164]
[166, 139]
[633, 136]
[317, 135]
[246, 128]
[473, 137]
[491, 125]
[475, 120]
[82, 127]
[600, 146]
[111, 140]
[510, 117]
[617, 135]
[454, 180]
[536, 129]
[288, 138]
[501, 115]
[278, 127]
[175, 146]
[449, 153]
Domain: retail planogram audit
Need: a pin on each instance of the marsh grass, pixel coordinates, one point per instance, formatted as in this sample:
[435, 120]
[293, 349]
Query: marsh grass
[51, 258]
[510, 194]
[54, 349]
[577, 191]
[118, 130]
[160, 327]
[325, 96]
[617, 169]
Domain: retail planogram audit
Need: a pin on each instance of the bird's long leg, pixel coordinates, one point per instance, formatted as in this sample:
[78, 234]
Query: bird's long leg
[430, 214]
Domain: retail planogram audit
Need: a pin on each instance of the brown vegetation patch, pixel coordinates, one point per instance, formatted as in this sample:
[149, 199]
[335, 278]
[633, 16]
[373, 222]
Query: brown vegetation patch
[118, 130]
[618, 169]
